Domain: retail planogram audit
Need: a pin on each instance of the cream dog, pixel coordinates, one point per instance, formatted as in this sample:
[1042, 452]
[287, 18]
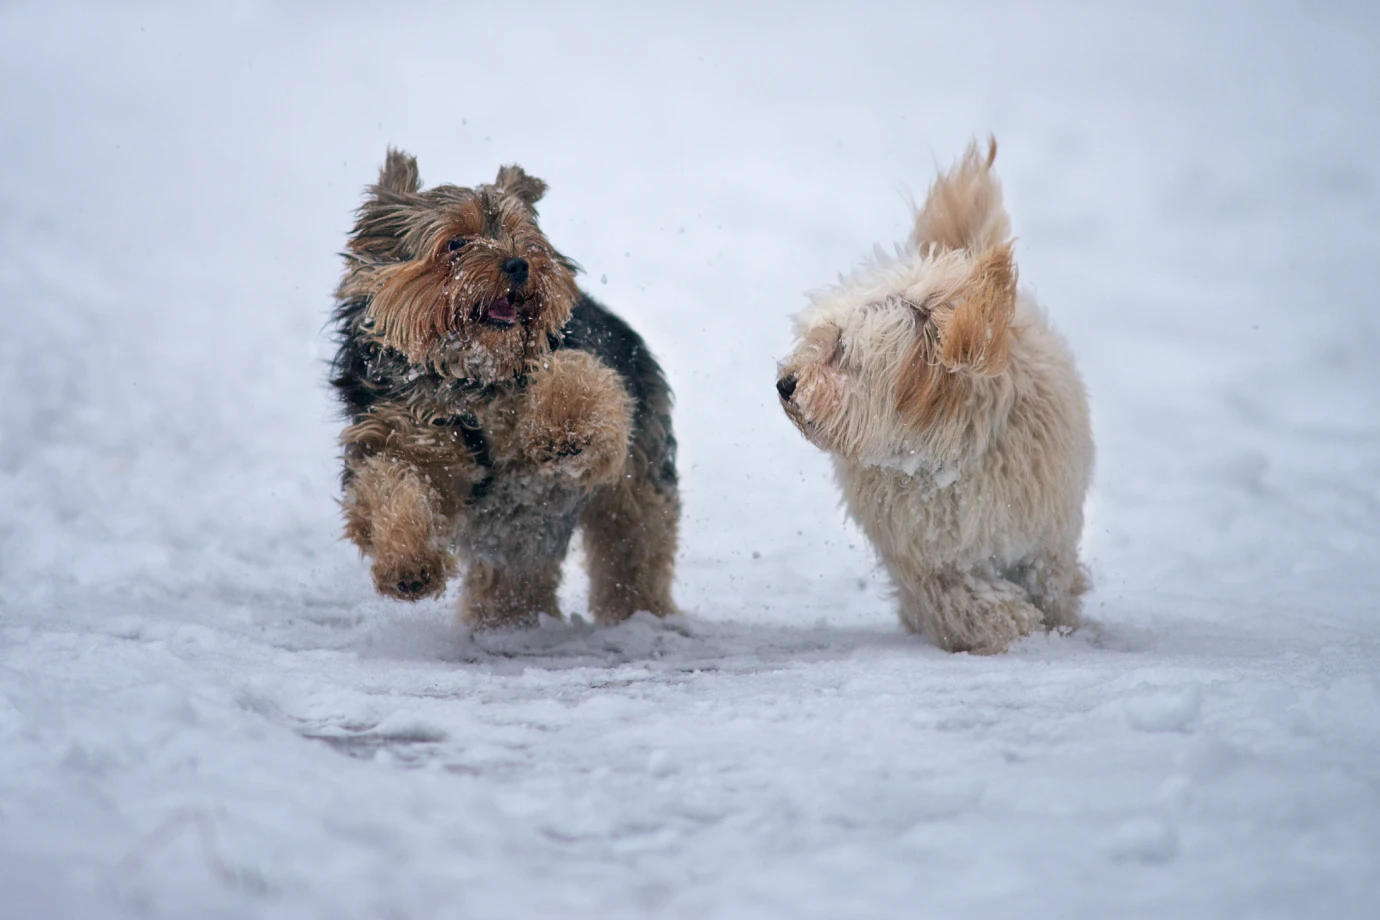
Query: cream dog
[957, 422]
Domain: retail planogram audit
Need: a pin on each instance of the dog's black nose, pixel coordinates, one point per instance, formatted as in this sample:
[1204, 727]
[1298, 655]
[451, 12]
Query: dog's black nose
[516, 269]
[786, 386]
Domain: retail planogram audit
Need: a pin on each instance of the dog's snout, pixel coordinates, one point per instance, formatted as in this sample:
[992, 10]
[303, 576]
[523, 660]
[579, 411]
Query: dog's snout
[786, 386]
[516, 269]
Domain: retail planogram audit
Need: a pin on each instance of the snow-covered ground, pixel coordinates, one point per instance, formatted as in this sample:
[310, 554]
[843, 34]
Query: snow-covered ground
[205, 711]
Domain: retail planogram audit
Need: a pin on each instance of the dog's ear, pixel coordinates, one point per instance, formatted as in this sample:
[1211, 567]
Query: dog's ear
[514, 181]
[399, 173]
[975, 335]
[390, 208]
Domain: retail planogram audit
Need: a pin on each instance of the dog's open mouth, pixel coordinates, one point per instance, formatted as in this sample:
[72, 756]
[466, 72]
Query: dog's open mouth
[503, 311]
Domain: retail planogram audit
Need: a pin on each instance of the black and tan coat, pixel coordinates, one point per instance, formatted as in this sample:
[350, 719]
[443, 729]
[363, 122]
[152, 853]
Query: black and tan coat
[494, 408]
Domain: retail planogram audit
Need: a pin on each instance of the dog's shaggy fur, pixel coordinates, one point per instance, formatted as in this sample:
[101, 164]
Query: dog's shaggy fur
[956, 419]
[493, 407]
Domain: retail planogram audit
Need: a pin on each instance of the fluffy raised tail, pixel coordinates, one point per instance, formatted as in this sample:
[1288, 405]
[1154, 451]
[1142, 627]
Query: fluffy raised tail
[963, 209]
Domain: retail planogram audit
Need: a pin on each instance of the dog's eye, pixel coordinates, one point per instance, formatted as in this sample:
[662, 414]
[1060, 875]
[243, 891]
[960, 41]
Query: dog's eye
[921, 310]
[455, 243]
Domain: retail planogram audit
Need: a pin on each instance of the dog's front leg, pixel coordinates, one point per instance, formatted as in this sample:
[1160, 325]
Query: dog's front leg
[577, 419]
[965, 612]
[394, 514]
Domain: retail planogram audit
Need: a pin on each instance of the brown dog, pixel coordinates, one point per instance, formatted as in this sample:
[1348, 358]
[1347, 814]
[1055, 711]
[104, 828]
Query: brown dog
[494, 407]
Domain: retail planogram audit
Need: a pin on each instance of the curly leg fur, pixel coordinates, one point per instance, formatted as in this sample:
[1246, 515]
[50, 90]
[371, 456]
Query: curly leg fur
[499, 599]
[577, 419]
[1055, 582]
[392, 514]
[965, 612]
[630, 544]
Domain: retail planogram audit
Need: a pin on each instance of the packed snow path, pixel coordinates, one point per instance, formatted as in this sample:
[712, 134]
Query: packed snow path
[204, 710]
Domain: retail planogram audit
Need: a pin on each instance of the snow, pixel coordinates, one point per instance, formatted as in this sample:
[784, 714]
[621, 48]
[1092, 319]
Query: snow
[205, 711]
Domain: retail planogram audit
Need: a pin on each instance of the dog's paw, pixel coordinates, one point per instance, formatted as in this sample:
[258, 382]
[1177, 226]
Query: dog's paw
[561, 446]
[577, 420]
[589, 455]
[963, 612]
[1000, 625]
[412, 579]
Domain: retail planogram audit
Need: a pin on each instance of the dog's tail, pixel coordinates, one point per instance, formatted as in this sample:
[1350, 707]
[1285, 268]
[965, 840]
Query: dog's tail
[963, 209]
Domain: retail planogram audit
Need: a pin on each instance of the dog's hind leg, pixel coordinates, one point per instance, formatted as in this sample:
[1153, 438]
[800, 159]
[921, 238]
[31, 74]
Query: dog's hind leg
[966, 612]
[630, 544]
[497, 598]
[1056, 581]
